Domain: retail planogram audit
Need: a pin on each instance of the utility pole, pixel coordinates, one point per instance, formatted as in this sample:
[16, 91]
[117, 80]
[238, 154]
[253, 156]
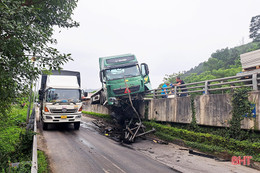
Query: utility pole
[30, 95]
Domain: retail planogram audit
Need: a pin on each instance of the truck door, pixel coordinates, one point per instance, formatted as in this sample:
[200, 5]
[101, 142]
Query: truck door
[145, 74]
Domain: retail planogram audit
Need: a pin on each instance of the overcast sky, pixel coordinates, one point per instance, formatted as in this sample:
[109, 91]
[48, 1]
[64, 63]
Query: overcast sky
[169, 35]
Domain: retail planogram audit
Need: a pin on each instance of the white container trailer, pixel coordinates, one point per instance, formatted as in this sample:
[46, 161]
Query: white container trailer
[60, 97]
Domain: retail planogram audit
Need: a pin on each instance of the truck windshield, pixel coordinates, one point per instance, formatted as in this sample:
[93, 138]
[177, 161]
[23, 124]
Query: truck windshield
[118, 73]
[63, 95]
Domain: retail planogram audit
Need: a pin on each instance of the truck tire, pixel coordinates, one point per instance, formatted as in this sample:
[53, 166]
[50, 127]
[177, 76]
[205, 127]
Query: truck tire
[44, 126]
[76, 125]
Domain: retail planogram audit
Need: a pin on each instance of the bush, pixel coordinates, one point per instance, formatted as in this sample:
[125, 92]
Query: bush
[219, 142]
[106, 116]
[15, 140]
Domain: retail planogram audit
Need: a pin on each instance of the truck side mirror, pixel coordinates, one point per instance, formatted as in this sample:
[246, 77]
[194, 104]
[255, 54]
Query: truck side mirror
[101, 76]
[40, 95]
[144, 69]
[85, 94]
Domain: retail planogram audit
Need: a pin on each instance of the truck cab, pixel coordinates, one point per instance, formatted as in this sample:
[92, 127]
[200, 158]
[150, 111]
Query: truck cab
[120, 76]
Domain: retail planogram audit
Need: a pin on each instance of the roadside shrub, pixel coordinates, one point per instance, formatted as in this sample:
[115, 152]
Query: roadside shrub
[106, 116]
[42, 162]
[15, 140]
[171, 133]
[241, 107]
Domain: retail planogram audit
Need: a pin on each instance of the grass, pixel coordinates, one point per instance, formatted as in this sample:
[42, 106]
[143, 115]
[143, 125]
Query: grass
[15, 140]
[105, 116]
[206, 142]
[42, 162]
[250, 135]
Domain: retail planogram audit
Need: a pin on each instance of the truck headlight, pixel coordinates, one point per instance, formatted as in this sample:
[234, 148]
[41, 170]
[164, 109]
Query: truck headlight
[113, 100]
[48, 117]
[79, 116]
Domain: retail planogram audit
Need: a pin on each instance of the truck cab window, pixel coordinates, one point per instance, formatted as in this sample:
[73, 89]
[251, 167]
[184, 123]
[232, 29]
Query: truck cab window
[143, 70]
[63, 95]
[119, 73]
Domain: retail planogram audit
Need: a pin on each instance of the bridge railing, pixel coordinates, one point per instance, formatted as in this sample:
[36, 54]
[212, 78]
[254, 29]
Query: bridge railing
[209, 86]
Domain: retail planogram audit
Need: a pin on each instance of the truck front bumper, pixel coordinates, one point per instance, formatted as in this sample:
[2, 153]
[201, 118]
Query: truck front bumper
[56, 118]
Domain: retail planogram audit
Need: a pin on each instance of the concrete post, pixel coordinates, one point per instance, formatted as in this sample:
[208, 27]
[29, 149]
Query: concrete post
[30, 102]
[254, 81]
[30, 95]
[175, 91]
[206, 87]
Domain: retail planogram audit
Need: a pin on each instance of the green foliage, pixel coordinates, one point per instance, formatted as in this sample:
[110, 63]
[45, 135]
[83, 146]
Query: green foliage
[241, 106]
[204, 147]
[202, 77]
[106, 116]
[222, 63]
[42, 162]
[255, 28]
[224, 58]
[193, 125]
[9, 136]
[22, 167]
[18, 151]
[218, 143]
[26, 29]
[15, 141]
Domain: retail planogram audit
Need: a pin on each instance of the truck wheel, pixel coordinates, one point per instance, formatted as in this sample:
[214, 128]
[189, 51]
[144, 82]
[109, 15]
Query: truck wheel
[44, 126]
[76, 125]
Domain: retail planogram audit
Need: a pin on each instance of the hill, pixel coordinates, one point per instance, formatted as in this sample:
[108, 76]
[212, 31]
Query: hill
[222, 63]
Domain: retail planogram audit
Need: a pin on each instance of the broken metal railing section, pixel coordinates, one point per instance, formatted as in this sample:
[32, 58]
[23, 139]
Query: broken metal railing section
[132, 133]
[227, 83]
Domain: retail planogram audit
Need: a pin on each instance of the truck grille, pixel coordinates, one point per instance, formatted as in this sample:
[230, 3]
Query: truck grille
[63, 110]
[122, 90]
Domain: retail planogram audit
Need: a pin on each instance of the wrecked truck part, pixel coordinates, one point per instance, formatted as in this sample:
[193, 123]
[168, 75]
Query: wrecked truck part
[124, 83]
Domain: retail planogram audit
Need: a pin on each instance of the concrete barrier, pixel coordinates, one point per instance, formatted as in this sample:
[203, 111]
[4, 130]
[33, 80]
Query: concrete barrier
[95, 108]
[210, 110]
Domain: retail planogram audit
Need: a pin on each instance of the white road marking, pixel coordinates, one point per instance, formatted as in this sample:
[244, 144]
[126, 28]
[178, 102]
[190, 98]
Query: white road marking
[113, 164]
[105, 171]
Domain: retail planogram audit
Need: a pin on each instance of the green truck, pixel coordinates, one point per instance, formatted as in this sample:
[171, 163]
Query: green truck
[121, 77]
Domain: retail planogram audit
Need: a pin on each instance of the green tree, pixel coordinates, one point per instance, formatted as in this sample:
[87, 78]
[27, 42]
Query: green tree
[171, 78]
[26, 29]
[213, 63]
[255, 28]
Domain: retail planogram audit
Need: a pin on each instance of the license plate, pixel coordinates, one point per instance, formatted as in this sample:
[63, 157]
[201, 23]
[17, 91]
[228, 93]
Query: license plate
[63, 116]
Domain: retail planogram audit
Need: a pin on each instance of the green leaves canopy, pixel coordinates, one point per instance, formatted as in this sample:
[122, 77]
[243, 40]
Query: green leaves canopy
[26, 29]
[255, 28]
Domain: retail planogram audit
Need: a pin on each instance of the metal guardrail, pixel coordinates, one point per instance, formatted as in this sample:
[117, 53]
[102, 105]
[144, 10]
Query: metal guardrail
[209, 86]
[32, 125]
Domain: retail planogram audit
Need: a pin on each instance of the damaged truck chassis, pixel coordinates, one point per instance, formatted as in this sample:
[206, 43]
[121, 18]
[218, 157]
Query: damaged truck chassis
[124, 84]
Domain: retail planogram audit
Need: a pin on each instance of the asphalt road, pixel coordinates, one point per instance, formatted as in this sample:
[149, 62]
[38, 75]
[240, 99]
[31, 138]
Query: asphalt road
[86, 150]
